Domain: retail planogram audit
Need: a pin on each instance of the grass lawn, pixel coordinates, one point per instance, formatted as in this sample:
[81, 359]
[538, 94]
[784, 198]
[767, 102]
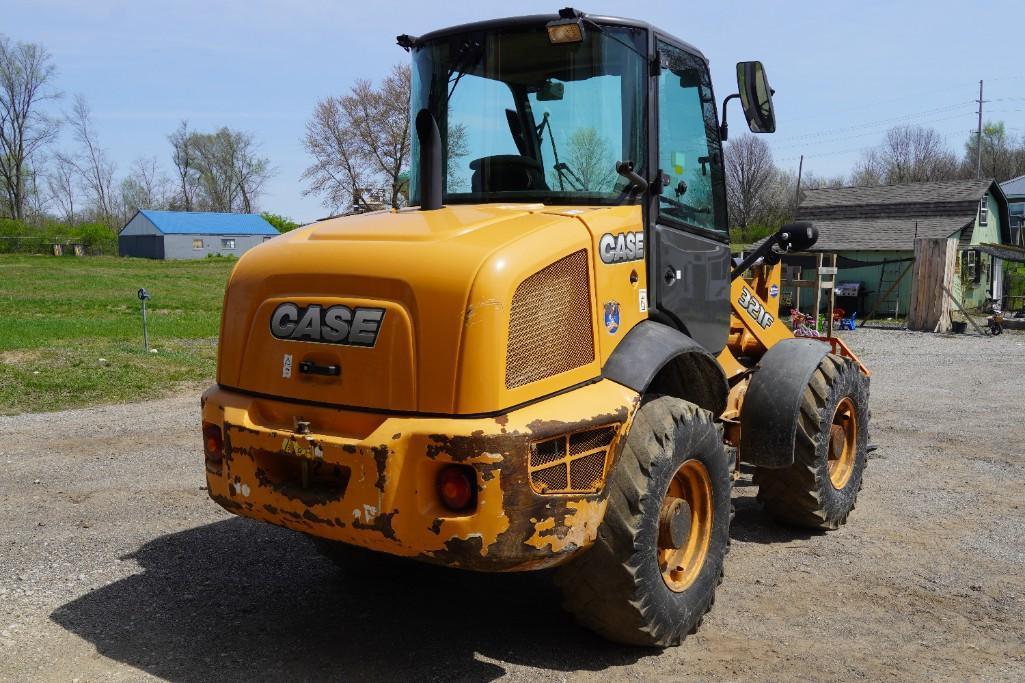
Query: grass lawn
[71, 329]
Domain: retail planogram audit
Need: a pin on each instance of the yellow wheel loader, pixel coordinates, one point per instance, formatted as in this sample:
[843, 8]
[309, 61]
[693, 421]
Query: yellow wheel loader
[548, 358]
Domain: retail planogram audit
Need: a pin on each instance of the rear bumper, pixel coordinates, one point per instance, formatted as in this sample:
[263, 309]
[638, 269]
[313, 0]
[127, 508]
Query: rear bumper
[370, 479]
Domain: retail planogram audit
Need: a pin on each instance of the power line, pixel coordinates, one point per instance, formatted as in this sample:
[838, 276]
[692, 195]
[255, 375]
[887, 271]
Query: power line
[879, 122]
[875, 131]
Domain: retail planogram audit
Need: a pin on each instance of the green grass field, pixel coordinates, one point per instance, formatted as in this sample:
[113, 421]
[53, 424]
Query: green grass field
[71, 329]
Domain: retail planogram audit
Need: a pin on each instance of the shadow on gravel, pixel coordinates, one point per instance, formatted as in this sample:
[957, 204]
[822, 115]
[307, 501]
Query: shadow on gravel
[241, 600]
[752, 524]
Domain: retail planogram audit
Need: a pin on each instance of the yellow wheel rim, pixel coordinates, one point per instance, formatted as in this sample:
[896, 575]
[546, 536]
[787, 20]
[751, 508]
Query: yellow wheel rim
[681, 565]
[843, 443]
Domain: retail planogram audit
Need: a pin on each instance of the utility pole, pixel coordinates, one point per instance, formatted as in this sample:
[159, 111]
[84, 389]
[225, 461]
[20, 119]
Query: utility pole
[978, 138]
[797, 195]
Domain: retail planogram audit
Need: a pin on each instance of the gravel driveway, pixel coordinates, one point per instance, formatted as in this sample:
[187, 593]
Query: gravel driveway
[114, 565]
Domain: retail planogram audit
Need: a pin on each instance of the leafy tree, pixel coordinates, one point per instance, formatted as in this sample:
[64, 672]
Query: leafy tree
[218, 171]
[281, 223]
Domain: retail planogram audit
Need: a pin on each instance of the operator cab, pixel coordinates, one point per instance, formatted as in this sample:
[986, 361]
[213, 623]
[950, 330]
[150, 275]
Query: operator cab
[590, 111]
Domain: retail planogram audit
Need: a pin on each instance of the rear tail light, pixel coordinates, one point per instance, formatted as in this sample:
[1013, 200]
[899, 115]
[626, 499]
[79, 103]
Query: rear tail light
[457, 488]
[213, 443]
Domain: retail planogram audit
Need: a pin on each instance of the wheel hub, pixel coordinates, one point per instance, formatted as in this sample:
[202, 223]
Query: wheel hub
[842, 448]
[674, 523]
[685, 526]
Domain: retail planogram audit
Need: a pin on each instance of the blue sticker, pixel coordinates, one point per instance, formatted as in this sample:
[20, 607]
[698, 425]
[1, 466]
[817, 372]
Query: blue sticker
[612, 316]
[774, 291]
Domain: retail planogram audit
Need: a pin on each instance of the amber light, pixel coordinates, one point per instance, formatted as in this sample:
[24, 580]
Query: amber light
[213, 444]
[457, 487]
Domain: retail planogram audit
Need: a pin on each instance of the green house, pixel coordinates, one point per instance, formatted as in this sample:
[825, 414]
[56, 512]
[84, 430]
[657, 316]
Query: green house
[1014, 189]
[872, 232]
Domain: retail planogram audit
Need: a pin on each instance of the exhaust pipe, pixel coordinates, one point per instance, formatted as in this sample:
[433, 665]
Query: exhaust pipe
[429, 137]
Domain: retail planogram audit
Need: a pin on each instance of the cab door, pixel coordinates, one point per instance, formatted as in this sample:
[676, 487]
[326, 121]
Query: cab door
[689, 243]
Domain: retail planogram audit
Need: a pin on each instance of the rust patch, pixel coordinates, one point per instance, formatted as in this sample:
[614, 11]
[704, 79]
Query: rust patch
[227, 503]
[396, 437]
[436, 525]
[381, 460]
[382, 523]
[308, 515]
[270, 508]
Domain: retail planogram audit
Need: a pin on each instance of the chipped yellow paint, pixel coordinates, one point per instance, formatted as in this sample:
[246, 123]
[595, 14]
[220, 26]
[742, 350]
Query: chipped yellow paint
[390, 502]
[577, 529]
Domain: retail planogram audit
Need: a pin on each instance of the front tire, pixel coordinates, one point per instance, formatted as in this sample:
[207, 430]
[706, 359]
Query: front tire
[830, 455]
[651, 574]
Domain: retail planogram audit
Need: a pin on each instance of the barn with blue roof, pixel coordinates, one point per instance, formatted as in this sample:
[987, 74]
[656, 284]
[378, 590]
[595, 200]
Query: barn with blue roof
[192, 234]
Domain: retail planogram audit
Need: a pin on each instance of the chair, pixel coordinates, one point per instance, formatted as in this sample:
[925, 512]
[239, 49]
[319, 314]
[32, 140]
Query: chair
[848, 323]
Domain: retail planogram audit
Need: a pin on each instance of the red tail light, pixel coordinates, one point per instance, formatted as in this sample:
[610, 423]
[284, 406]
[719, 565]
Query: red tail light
[457, 487]
[213, 443]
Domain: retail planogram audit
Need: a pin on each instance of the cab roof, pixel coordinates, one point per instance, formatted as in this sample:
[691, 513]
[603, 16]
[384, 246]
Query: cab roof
[542, 19]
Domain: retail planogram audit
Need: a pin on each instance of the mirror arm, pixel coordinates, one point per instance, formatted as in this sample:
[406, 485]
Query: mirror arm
[724, 128]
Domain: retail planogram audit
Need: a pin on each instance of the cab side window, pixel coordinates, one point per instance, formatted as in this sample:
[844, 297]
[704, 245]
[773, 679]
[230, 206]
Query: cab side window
[689, 151]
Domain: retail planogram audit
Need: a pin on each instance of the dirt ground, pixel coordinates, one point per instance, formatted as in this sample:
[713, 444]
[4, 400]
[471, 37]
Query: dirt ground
[114, 565]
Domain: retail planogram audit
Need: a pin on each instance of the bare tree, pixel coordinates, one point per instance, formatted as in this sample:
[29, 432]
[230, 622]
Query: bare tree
[182, 155]
[750, 176]
[360, 141]
[26, 70]
[95, 169]
[60, 186]
[145, 187]
[907, 154]
[590, 158]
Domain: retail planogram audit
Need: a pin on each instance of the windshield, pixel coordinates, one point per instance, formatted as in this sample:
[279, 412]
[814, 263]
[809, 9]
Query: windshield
[522, 119]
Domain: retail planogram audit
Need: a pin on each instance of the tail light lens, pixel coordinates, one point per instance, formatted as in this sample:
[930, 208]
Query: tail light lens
[457, 488]
[213, 443]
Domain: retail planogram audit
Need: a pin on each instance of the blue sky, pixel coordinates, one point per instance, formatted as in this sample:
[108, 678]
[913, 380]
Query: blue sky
[843, 72]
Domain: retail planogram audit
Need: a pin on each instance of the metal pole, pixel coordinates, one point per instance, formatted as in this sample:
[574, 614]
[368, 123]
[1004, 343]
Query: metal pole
[797, 194]
[978, 139]
[145, 331]
[143, 295]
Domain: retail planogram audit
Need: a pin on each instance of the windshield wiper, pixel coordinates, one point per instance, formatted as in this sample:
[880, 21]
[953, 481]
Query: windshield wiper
[560, 167]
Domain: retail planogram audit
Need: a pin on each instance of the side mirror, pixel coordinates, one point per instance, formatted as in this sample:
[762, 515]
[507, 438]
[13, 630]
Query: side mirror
[756, 97]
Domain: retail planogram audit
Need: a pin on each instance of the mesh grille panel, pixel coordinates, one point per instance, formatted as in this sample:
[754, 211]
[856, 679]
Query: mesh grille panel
[545, 452]
[571, 463]
[550, 323]
[588, 441]
[587, 472]
[552, 478]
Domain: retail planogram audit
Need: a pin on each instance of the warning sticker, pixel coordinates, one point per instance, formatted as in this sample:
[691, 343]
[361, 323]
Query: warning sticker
[286, 366]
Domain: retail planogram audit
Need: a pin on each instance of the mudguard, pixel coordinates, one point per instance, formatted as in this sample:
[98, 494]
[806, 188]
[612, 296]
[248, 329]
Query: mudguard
[678, 365]
[769, 414]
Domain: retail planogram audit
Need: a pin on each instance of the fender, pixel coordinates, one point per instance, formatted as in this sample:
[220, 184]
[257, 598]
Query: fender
[772, 404]
[659, 358]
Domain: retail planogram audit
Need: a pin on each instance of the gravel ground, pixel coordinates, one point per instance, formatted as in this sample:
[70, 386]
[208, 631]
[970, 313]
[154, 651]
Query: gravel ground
[115, 566]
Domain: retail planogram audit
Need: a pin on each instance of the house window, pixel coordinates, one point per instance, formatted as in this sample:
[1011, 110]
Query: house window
[970, 265]
[983, 211]
[197, 244]
[228, 243]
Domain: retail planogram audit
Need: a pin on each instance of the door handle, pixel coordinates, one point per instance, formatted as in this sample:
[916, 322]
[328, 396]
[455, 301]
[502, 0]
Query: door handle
[672, 275]
[308, 367]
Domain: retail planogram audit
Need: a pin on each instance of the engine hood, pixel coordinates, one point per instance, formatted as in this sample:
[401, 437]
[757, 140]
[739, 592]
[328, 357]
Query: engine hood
[372, 310]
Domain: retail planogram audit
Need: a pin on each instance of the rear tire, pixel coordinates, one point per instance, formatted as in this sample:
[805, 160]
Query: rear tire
[819, 490]
[633, 585]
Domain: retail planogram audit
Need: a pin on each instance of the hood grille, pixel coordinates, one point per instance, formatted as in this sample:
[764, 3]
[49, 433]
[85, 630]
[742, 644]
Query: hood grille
[550, 329]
